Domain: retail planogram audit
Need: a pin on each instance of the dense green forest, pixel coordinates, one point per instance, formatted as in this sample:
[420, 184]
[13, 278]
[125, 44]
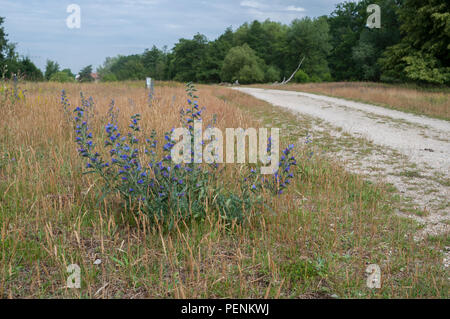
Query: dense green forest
[412, 45]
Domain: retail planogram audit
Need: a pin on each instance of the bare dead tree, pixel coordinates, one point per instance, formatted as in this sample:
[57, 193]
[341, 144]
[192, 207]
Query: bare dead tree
[298, 68]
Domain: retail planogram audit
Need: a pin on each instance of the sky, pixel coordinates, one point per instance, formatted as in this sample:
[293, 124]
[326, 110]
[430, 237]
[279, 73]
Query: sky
[112, 27]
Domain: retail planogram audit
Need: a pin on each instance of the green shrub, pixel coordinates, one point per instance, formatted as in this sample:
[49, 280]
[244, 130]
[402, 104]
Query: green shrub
[250, 74]
[62, 77]
[109, 77]
[242, 64]
[301, 77]
[315, 78]
[272, 74]
[327, 77]
[155, 185]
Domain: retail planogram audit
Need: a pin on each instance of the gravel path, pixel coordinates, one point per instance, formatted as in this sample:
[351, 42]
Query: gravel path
[411, 152]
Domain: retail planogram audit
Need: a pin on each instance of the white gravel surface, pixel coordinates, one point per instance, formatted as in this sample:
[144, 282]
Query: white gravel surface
[423, 143]
[409, 135]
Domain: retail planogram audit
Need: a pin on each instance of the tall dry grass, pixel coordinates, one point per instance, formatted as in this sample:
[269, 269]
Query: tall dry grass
[420, 101]
[314, 241]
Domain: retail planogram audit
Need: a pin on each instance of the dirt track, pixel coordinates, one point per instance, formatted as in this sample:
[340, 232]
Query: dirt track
[409, 151]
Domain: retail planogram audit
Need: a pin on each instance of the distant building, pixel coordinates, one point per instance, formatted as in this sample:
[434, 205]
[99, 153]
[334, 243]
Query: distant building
[95, 77]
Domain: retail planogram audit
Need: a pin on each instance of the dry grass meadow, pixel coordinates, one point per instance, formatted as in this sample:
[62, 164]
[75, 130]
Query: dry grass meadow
[435, 103]
[315, 241]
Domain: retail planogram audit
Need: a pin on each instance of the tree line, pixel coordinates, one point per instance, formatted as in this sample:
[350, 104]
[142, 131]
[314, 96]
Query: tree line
[11, 63]
[412, 45]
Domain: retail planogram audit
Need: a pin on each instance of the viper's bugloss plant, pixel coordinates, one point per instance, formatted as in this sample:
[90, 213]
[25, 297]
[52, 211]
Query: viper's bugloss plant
[281, 178]
[11, 92]
[141, 170]
[66, 106]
